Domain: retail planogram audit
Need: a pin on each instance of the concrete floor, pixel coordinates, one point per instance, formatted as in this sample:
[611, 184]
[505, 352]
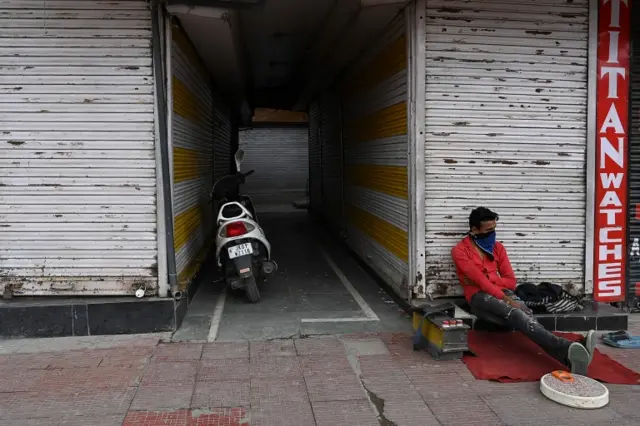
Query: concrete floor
[318, 289]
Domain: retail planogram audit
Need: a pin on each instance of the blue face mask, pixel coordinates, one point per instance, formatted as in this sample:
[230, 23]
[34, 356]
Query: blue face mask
[486, 241]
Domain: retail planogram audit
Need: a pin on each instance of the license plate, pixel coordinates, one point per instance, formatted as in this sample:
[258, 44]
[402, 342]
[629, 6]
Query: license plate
[241, 250]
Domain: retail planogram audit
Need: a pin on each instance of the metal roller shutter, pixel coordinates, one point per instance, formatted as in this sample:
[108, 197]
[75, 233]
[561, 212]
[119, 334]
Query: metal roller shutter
[222, 141]
[331, 143]
[633, 282]
[375, 152]
[193, 155]
[280, 157]
[315, 159]
[77, 152]
[506, 117]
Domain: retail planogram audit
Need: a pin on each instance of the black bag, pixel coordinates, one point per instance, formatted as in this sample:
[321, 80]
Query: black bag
[547, 297]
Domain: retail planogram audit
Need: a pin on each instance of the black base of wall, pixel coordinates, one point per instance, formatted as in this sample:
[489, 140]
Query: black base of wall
[59, 317]
[601, 317]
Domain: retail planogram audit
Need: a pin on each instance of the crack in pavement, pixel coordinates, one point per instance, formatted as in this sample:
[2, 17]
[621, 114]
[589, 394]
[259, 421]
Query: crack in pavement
[376, 402]
[379, 404]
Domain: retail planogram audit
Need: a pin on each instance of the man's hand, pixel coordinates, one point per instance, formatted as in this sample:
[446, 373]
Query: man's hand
[516, 304]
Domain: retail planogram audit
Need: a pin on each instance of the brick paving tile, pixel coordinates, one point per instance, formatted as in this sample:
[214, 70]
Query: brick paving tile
[423, 361]
[224, 369]
[396, 338]
[319, 345]
[334, 388]
[229, 393]
[89, 379]
[38, 361]
[76, 359]
[374, 364]
[366, 347]
[462, 410]
[325, 365]
[225, 350]
[134, 359]
[276, 367]
[178, 352]
[341, 413]
[439, 385]
[20, 380]
[99, 402]
[102, 420]
[489, 388]
[389, 385]
[282, 414]
[535, 409]
[625, 402]
[272, 348]
[163, 396]
[408, 411]
[180, 373]
[360, 336]
[277, 391]
[216, 417]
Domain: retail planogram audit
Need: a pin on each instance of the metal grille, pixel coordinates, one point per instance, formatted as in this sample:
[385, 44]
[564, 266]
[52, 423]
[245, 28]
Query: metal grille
[375, 155]
[280, 158]
[77, 153]
[506, 118]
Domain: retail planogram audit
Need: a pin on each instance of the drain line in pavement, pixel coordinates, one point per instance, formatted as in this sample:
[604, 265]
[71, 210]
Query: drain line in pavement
[369, 314]
[217, 316]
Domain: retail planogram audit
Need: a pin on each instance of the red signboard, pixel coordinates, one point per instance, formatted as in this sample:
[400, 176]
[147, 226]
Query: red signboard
[612, 120]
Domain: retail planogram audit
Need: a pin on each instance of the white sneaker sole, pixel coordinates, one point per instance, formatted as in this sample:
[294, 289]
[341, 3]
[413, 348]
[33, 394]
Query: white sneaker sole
[579, 359]
[590, 343]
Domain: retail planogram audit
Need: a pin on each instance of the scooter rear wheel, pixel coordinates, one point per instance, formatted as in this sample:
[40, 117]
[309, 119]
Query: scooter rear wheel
[251, 289]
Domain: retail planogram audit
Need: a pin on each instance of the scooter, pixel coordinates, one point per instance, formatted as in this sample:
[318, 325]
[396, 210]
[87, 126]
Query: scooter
[242, 249]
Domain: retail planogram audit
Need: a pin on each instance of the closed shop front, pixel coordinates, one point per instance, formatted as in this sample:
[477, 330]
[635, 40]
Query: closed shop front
[506, 128]
[375, 145]
[279, 154]
[201, 138]
[77, 148]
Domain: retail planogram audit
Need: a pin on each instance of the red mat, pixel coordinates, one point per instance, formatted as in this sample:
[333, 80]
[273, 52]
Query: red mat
[512, 357]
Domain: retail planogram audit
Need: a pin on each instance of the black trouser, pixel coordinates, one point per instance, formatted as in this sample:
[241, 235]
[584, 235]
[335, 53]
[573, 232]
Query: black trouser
[489, 308]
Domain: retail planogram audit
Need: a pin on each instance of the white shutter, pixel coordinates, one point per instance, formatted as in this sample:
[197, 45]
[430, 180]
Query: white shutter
[77, 157]
[192, 138]
[375, 156]
[506, 117]
[280, 157]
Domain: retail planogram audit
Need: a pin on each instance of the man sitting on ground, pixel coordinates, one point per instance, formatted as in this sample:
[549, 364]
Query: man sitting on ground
[488, 281]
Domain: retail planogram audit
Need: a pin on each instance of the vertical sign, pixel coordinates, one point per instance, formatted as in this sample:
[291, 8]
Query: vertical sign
[612, 119]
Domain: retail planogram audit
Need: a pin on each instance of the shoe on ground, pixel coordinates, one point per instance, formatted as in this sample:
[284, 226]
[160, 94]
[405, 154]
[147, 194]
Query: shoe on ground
[578, 359]
[590, 343]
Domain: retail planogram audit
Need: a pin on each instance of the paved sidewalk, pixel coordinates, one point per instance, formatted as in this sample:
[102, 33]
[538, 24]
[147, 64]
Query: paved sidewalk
[367, 380]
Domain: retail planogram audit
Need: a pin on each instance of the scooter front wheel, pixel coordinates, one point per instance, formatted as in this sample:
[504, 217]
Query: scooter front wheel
[251, 289]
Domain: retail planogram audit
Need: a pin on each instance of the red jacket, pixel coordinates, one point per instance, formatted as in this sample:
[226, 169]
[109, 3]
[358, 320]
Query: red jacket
[485, 274]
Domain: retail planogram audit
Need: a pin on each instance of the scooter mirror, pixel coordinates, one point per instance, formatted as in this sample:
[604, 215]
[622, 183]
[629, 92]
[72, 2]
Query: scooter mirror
[239, 157]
